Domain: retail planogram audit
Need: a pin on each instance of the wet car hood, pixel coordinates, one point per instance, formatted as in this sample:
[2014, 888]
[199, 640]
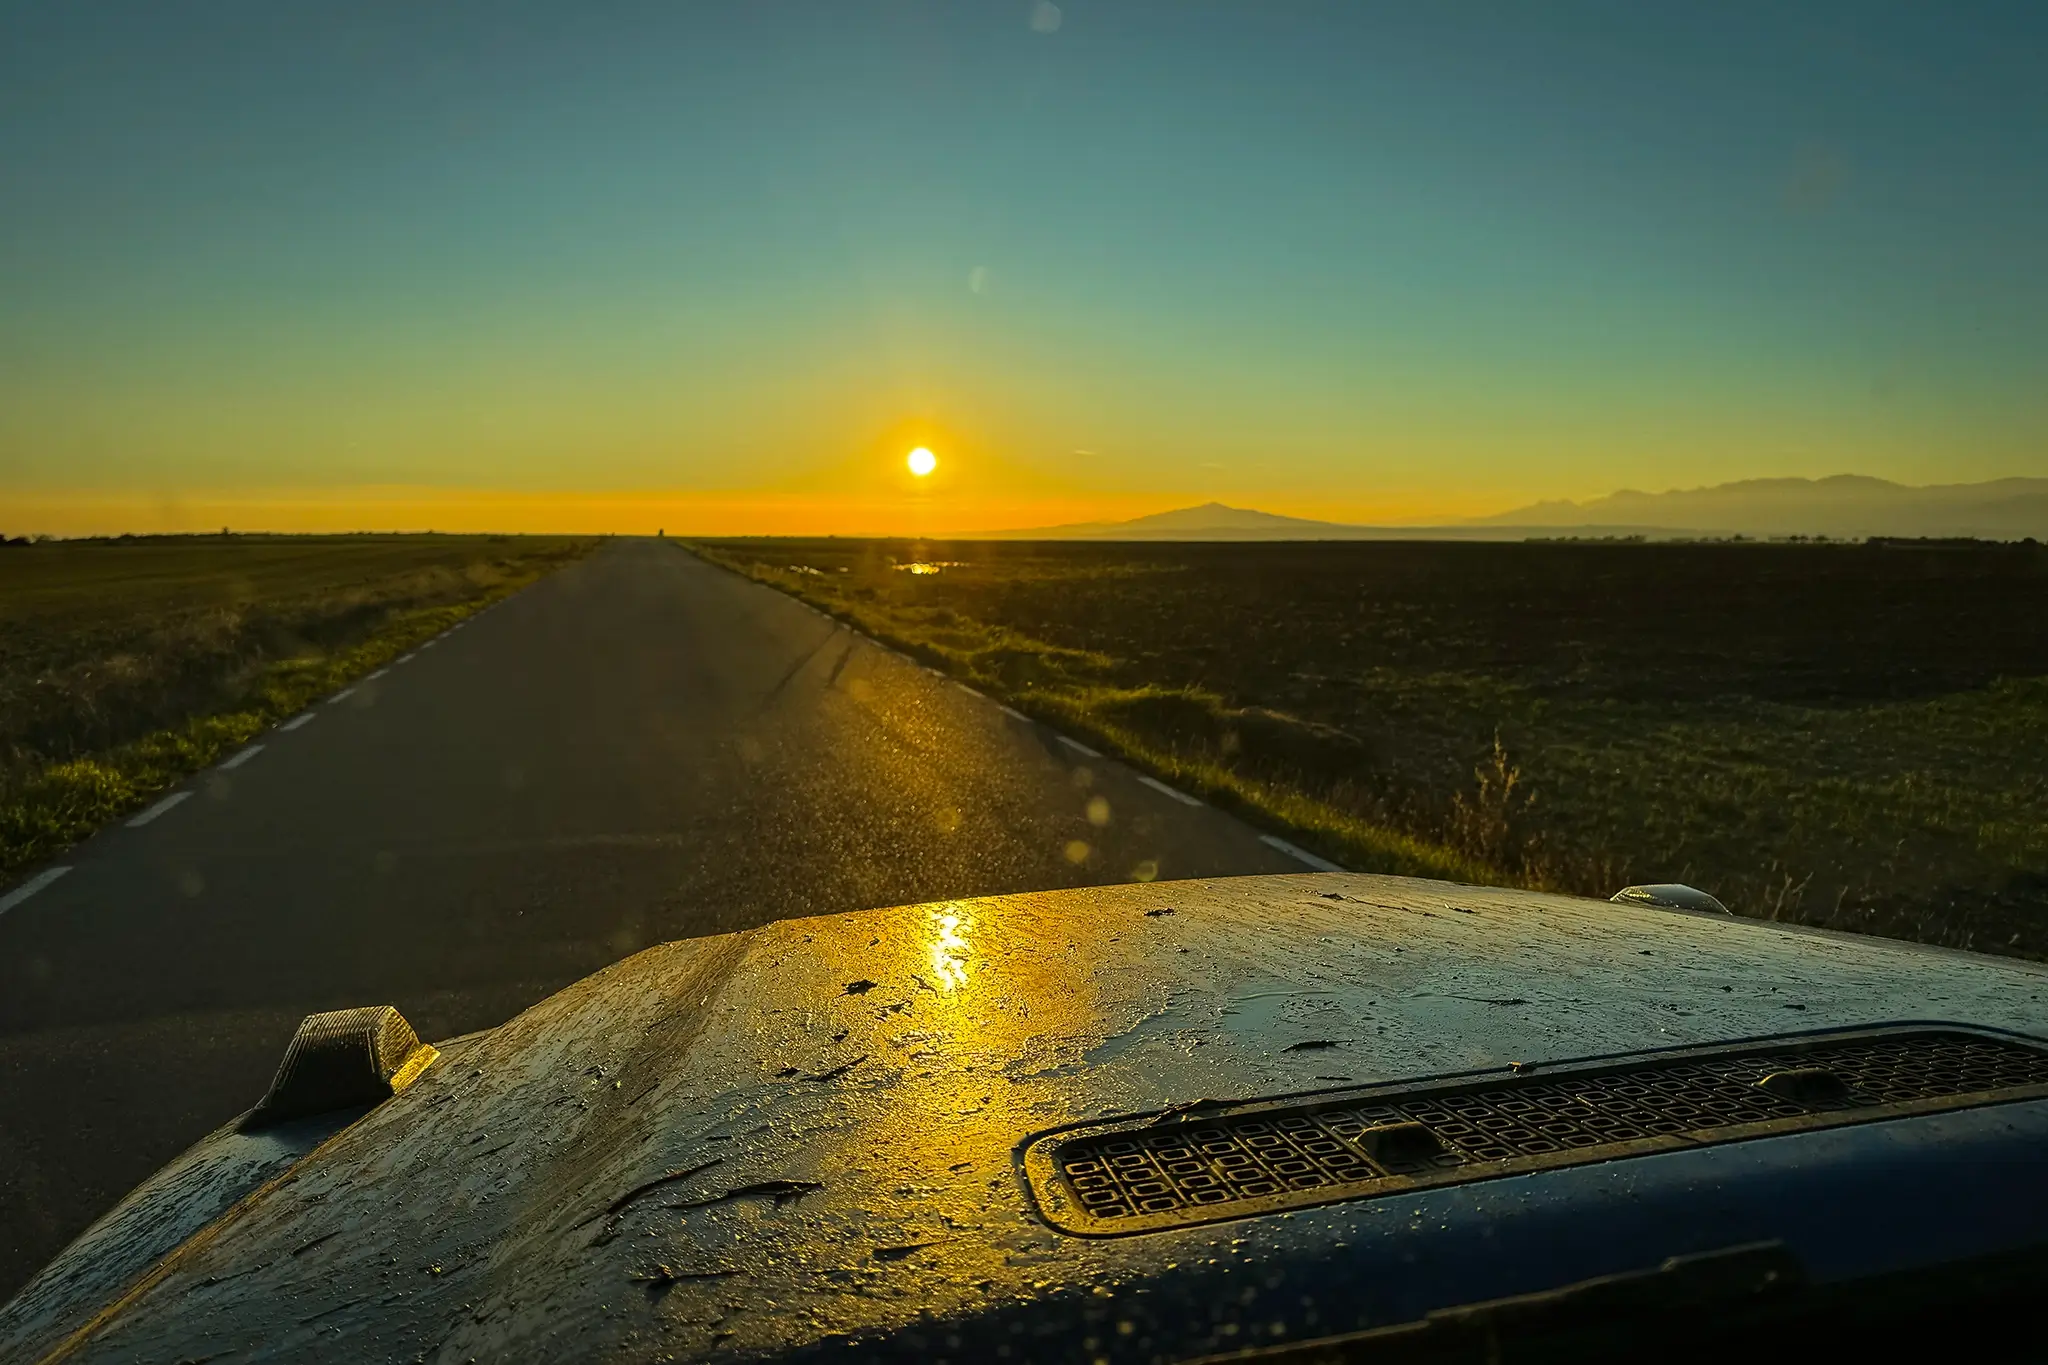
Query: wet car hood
[805, 1137]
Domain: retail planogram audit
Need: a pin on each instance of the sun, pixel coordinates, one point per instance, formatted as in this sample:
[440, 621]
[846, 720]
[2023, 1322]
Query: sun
[922, 462]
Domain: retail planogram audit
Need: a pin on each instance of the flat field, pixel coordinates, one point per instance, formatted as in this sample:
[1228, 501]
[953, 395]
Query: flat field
[1845, 735]
[127, 663]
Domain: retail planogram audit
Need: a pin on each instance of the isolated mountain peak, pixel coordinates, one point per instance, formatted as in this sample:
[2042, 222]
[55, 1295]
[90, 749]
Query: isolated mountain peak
[1218, 516]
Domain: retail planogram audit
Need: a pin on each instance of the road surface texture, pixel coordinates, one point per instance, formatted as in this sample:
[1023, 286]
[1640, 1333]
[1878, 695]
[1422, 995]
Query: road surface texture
[639, 748]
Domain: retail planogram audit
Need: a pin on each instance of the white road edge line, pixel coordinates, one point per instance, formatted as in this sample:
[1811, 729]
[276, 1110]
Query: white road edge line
[342, 695]
[243, 757]
[1078, 747]
[378, 674]
[1319, 864]
[158, 809]
[968, 690]
[1156, 785]
[303, 718]
[30, 887]
[1013, 714]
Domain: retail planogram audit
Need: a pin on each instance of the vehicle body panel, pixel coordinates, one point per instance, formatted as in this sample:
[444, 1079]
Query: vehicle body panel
[804, 1137]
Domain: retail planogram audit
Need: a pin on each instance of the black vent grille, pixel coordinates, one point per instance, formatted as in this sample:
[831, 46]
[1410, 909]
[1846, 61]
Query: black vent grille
[1135, 1175]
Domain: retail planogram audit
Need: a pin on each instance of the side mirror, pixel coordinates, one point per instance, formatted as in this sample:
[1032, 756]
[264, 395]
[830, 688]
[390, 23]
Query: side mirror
[1670, 896]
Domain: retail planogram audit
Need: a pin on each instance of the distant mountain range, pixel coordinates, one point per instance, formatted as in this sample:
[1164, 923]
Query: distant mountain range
[1847, 506]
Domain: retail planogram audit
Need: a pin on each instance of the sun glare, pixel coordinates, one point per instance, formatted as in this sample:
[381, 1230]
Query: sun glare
[923, 462]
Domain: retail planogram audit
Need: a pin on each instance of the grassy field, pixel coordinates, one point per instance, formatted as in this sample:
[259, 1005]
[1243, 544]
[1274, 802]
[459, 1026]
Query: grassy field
[127, 664]
[1845, 735]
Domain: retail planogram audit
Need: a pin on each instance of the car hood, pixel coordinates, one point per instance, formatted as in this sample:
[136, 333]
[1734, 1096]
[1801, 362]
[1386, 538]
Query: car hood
[806, 1136]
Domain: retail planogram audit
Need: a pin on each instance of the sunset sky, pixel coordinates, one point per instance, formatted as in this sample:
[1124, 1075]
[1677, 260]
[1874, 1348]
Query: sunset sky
[719, 267]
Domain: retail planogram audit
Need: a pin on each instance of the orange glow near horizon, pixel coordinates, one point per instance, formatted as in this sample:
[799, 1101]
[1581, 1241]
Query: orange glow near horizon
[887, 482]
[921, 506]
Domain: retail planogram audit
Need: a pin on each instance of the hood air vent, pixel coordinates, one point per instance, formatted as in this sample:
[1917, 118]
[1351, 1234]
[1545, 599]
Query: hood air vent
[1230, 1161]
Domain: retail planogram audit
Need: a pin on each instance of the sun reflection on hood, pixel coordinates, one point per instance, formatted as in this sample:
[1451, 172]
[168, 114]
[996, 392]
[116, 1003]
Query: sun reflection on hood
[949, 951]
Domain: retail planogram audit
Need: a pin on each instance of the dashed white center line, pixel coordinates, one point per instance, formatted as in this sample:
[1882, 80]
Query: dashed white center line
[158, 809]
[431, 643]
[1078, 747]
[303, 718]
[1319, 864]
[1156, 785]
[342, 695]
[402, 659]
[30, 887]
[378, 674]
[243, 757]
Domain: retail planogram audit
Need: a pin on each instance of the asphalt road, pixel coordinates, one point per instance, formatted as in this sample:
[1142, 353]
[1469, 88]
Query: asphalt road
[639, 748]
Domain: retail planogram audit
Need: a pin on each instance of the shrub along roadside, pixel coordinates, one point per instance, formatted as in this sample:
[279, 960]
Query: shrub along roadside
[67, 801]
[1009, 667]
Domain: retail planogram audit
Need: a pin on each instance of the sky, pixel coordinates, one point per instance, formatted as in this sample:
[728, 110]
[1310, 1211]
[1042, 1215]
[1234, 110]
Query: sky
[718, 267]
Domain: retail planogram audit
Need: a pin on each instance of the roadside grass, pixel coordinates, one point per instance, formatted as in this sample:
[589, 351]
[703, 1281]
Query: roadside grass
[1055, 685]
[1479, 722]
[1324, 824]
[122, 679]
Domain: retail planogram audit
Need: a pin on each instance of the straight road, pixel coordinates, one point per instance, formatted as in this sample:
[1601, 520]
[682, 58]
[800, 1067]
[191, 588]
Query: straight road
[639, 748]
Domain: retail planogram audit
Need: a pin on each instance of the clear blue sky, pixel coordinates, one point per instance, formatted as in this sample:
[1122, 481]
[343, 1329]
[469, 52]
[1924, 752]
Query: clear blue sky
[1337, 259]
